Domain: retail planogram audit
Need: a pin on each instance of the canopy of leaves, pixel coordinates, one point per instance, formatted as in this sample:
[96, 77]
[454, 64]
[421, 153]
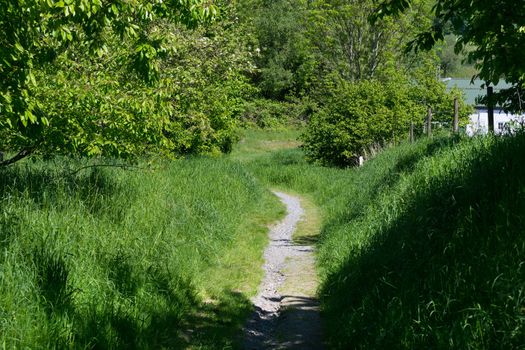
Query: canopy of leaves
[34, 31]
[282, 53]
[89, 78]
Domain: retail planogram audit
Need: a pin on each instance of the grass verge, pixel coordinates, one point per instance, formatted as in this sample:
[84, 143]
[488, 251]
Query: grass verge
[146, 259]
[420, 248]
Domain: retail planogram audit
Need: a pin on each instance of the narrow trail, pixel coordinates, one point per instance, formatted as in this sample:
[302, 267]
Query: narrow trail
[286, 310]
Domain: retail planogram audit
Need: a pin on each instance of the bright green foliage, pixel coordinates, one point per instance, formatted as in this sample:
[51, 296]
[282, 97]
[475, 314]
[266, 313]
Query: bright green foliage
[355, 117]
[308, 47]
[35, 33]
[33, 30]
[117, 259]
[367, 90]
[101, 106]
[209, 70]
[370, 113]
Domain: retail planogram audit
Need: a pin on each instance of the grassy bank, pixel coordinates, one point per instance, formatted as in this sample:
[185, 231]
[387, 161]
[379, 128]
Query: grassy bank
[107, 258]
[423, 247]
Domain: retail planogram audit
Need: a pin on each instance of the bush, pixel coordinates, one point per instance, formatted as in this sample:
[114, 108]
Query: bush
[361, 114]
[355, 117]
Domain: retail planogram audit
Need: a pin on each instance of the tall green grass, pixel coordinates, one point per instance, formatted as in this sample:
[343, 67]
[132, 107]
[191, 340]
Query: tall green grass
[435, 260]
[423, 247]
[145, 259]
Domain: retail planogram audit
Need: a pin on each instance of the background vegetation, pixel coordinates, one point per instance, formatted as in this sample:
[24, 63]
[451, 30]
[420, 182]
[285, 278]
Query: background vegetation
[128, 79]
[351, 78]
[372, 113]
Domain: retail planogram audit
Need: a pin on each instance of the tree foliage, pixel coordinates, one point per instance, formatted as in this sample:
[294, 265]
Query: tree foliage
[90, 78]
[282, 53]
[495, 29]
[121, 78]
[363, 114]
[369, 89]
[33, 31]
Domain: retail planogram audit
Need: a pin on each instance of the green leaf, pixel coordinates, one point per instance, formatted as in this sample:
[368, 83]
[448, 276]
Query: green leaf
[31, 77]
[29, 116]
[19, 47]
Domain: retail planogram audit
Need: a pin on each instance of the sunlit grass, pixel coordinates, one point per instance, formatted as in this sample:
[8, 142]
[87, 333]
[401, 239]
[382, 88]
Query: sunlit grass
[257, 142]
[163, 257]
[420, 248]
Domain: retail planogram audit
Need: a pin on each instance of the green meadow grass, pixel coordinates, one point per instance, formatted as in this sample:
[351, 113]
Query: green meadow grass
[421, 248]
[163, 257]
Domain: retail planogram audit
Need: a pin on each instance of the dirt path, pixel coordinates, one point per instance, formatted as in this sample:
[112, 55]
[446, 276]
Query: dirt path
[287, 311]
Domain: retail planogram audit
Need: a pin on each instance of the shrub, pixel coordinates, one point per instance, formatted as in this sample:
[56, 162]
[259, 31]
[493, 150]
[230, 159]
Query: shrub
[365, 113]
[356, 116]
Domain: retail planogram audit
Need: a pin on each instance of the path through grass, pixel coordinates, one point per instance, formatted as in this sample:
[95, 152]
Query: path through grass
[422, 247]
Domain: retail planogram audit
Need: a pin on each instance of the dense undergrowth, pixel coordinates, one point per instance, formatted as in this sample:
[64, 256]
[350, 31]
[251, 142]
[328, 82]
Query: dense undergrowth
[145, 259]
[423, 247]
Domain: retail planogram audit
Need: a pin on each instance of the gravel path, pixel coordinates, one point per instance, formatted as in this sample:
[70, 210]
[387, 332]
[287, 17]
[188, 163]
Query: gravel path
[286, 310]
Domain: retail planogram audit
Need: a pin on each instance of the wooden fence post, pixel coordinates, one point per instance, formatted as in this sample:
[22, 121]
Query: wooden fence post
[429, 122]
[411, 132]
[456, 115]
[490, 105]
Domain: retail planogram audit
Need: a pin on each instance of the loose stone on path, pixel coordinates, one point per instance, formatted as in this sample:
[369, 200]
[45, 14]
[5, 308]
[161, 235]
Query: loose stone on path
[286, 310]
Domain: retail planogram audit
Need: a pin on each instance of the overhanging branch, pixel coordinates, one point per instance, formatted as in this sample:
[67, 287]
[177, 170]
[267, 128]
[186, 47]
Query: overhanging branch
[20, 155]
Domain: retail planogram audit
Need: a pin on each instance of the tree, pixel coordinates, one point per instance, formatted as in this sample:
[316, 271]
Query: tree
[495, 29]
[34, 33]
[184, 100]
[283, 53]
[371, 112]
[349, 44]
